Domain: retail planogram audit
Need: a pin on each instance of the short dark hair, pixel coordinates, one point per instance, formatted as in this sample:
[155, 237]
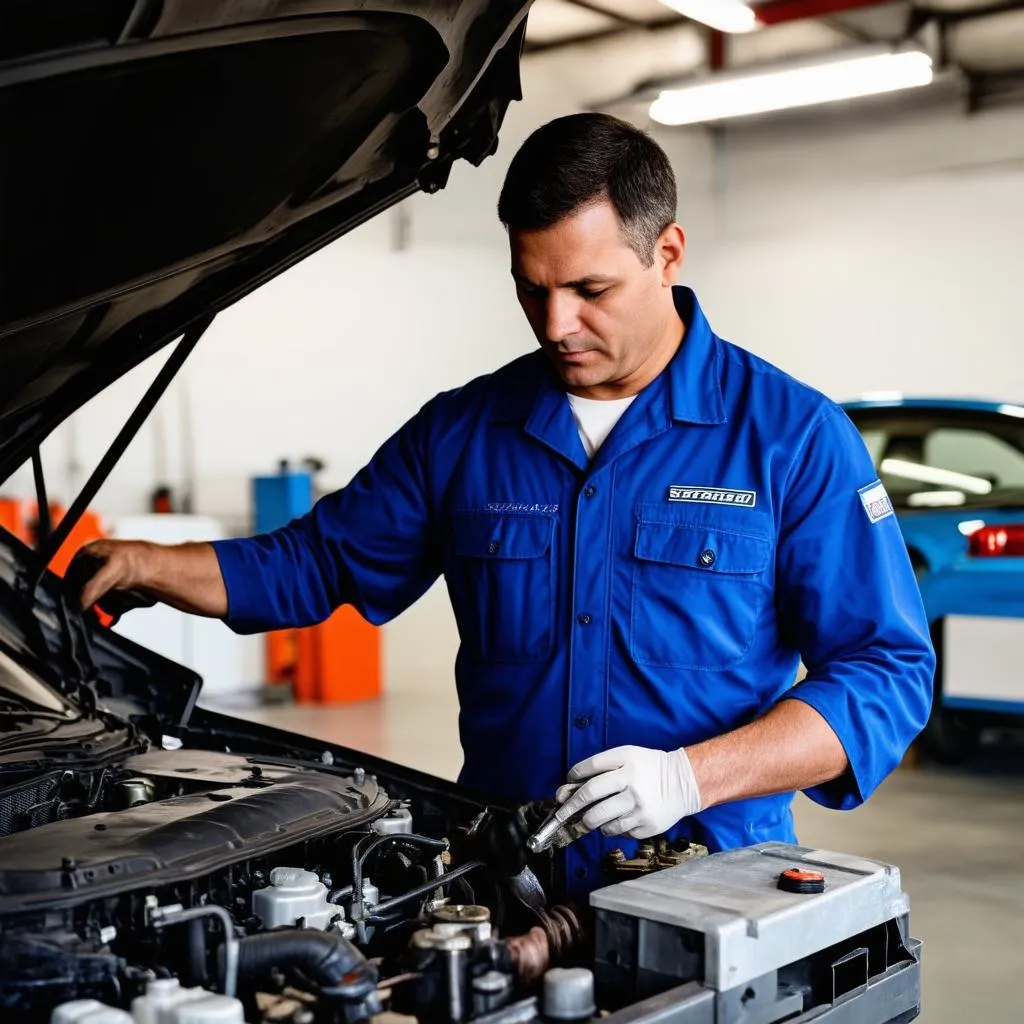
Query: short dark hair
[580, 159]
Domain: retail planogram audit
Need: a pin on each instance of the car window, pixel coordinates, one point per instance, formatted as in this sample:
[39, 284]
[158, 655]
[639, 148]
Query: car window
[939, 458]
[976, 453]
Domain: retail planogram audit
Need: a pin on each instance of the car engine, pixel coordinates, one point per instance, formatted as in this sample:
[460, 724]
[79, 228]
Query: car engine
[159, 883]
[180, 886]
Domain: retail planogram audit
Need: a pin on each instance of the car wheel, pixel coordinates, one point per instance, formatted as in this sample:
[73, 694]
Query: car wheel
[950, 737]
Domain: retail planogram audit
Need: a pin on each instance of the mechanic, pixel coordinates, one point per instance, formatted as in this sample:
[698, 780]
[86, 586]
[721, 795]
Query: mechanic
[643, 530]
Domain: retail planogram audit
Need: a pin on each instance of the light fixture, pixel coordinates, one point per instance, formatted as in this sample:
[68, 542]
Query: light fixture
[936, 499]
[740, 94]
[725, 15]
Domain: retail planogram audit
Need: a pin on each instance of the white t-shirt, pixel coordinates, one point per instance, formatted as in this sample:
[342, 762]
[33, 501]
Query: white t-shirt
[595, 418]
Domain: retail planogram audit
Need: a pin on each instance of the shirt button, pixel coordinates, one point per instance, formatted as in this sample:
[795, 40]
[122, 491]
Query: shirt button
[584, 619]
[493, 548]
[589, 491]
[582, 721]
[707, 557]
[581, 873]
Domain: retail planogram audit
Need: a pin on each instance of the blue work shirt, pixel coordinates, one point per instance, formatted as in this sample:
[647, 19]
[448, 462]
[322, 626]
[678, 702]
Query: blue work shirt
[660, 594]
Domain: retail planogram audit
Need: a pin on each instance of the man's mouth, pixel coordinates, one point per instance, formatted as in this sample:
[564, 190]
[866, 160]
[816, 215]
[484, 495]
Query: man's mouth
[570, 356]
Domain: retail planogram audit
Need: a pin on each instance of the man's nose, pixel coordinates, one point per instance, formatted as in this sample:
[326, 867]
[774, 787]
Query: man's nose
[561, 317]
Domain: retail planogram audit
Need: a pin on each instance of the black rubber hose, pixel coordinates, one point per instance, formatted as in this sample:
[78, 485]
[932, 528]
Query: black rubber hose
[323, 957]
[361, 854]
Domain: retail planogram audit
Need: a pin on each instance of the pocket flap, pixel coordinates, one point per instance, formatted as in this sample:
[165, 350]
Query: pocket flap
[702, 546]
[496, 535]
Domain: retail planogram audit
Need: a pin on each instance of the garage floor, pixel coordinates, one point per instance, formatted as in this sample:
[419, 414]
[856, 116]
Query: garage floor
[958, 837]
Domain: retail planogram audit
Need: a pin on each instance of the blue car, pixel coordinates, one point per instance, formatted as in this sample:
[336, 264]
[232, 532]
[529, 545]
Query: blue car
[954, 470]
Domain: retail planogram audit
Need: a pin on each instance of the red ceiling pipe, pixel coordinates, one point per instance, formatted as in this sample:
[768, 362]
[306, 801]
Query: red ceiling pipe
[779, 11]
[716, 50]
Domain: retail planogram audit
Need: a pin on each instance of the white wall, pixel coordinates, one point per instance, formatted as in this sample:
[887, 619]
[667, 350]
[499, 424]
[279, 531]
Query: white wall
[860, 252]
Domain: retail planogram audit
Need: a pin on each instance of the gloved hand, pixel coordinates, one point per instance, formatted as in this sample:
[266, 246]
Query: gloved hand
[633, 791]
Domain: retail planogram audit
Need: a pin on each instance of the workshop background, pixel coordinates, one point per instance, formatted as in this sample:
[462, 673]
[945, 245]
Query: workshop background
[865, 246]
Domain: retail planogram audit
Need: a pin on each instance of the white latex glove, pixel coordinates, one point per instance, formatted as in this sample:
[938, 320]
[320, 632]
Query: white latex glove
[633, 791]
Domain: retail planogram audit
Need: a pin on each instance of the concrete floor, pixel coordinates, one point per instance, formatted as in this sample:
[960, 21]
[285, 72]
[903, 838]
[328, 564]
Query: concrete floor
[958, 837]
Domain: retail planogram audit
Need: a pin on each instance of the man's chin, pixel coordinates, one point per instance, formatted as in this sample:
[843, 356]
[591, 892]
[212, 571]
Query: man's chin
[579, 372]
[578, 376]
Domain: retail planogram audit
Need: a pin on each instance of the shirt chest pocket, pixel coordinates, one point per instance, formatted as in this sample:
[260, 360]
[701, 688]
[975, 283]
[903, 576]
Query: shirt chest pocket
[501, 581]
[698, 590]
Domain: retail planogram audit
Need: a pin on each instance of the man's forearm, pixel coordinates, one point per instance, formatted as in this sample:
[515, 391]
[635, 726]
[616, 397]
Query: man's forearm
[186, 576]
[790, 748]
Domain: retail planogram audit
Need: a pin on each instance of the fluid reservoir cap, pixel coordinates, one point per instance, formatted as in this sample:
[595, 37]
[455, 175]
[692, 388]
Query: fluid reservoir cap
[569, 993]
[396, 822]
[294, 878]
[801, 881]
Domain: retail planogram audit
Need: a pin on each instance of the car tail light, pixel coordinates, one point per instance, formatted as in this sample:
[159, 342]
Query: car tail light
[997, 542]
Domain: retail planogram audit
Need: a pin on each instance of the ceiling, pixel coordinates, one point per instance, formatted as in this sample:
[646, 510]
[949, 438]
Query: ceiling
[982, 40]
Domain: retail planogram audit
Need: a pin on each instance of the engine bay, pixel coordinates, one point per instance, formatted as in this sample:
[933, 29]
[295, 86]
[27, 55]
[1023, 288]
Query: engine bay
[203, 885]
[162, 863]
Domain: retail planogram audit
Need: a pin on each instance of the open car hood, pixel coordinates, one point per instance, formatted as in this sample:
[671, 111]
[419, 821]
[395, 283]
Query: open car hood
[163, 158]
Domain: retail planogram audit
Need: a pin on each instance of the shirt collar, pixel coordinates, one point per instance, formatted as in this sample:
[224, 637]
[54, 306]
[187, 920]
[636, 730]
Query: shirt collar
[695, 373]
[692, 378]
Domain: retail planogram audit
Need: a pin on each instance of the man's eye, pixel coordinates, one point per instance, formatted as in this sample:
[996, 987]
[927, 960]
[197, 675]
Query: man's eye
[589, 294]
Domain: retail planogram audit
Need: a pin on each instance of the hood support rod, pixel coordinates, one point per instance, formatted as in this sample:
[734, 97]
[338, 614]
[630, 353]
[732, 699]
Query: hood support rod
[117, 448]
[42, 502]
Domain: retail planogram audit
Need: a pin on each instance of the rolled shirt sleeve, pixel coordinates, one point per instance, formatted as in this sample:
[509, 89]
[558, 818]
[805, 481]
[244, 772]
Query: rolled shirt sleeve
[850, 602]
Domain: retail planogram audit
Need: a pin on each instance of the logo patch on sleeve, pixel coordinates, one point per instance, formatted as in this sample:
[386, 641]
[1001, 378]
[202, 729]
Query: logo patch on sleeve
[712, 495]
[876, 501]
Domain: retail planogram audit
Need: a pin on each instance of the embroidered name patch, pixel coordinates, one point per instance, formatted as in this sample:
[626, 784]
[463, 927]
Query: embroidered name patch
[876, 501]
[713, 495]
[522, 508]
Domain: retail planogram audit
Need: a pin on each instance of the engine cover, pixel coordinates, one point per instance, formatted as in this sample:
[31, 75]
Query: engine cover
[247, 807]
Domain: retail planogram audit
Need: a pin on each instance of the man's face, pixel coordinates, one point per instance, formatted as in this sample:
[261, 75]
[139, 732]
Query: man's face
[605, 321]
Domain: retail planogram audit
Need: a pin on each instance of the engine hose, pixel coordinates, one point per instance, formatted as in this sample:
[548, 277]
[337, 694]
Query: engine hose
[361, 854]
[323, 957]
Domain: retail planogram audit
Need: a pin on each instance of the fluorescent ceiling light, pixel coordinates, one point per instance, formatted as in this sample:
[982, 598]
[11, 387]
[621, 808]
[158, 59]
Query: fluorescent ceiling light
[934, 475]
[725, 15]
[936, 499]
[742, 94]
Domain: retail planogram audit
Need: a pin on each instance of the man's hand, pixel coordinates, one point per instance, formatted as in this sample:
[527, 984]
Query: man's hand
[632, 791]
[120, 564]
[185, 576]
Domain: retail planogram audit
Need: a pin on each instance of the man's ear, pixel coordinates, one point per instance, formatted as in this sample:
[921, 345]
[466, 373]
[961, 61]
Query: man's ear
[669, 252]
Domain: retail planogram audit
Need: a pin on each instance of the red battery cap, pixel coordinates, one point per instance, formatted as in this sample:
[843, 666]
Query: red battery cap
[799, 880]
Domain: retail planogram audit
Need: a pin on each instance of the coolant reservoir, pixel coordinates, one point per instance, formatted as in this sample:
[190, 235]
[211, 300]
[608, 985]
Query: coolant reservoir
[293, 894]
[163, 998]
[88, 1011]
[166, 1002]
[209, 1009]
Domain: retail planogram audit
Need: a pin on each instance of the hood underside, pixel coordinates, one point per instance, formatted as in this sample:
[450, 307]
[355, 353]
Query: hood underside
[163, 158]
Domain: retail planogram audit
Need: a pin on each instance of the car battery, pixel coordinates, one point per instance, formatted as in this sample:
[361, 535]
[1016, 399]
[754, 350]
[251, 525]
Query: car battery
[758, 935]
